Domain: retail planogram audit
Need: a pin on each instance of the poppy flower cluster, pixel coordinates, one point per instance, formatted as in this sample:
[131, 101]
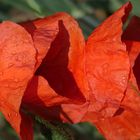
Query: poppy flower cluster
[47, 68]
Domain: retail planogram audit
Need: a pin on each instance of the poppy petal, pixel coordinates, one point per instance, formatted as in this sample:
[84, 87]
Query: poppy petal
[133, 48]
[125, 122]
[111, 29]
[122, 127]
[63, 67]
[41, 94]
[107, 64]
[26, 127]
[17, 64]
[131, 99]
[107, 70]
[43, 32]
[60, 66]
[132, 96]
[131, 39]
[125, 125]
[133, 30]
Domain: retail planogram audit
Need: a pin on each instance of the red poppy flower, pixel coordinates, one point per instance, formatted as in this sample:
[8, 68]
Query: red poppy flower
[126, 120]
[23, 47]
[117, 119]
[48, 69]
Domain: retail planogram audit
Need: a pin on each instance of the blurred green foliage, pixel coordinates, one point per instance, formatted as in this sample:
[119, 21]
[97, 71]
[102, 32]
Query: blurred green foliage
[89, 13]
[45, 130]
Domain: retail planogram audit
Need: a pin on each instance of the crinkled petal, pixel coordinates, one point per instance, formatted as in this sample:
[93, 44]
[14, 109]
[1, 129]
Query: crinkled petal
[121, 127]
[43, 32]
[17, 64]
[63, 65]
[111, 29]
[125, 123]
[107, 64]
[40, 95]
[62, 68]
[131, 99]
[131, 39]
[73, 113]
[107, 69]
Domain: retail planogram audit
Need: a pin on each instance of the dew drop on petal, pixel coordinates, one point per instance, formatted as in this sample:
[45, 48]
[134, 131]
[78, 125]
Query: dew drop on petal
[16, 80]
[123, 81]
[105, 67]
[1, 73]
[13, 52]
[9, 115]
[1, 102]
[10, 64]
[16, 114]
[6, 85]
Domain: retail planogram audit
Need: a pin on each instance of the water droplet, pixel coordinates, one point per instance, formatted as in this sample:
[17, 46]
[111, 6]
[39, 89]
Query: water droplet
[123, 77]
[16, 80]
[16, 114]
[105, 67]
[88, 90]
[24, 62]
[2, 102]
[6, 85]
[123, 81]
[102, 119]
[13, 52]
[1, 73]
[9, 115]
[20, 57]
[10, 64]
